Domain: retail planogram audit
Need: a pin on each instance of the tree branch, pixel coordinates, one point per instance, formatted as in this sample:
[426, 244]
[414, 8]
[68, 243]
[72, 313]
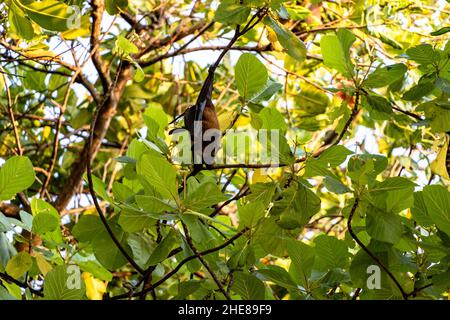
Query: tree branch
[98, 7]
[203, 261]
[11, 115]
[105, 113]
[99, 209]
[182, 263]
[366, 250]
[24, 285]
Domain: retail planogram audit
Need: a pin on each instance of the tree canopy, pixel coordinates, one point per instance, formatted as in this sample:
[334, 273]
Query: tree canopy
[94, 204]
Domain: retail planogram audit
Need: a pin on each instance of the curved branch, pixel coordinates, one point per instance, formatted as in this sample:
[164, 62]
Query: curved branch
[182, 263]
[6, 277]
[98, 7]
[366, 250]
[96, 203]
[203, 261]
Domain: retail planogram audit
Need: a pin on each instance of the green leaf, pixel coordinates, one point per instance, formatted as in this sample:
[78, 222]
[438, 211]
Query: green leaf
[152, 204]
[187, 288]
[420, 212]
[267, 92]
[231, 12]
[94, 268]
[248, 286]
[330, 158]
[5, 224]
[26, 220]
[251, 213]
[335, 185]
[156, 120]
[262, 192]
[384, 226]
[437, 200]
[5, 295]
[290, 42]
[206, 195]
[440, 31]
[364, 168]
[20, 24]
[392, 184]
[121, 192]
[45, 222]
[296, 207]
[393, 194]
[39, 207]
[330, 253]
[135, 220]
[34, 80]
[384, 76]
[443, 84]
[423, 54]
[16, 175]
[49, 14]
[250, 75]
[163, 249]
[159, 173]
[114, 7]
[302, 261]
[336, 51]
[64, 283]
[82, 32]
[272, 119]
[359, 269]
[87, 228]
[277, 275]
[377, 106]
[106, 251]
[99, 187]
[311, 101]
[126, 45]
[419, 91]
[440, 117]
[19, 264]
[141, 245]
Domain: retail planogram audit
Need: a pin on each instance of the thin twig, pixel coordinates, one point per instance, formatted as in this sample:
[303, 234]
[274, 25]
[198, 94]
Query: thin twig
[366, 250]
[8, 278]
[94, 197]
[203, 261]
[182, 263]
[11, 115]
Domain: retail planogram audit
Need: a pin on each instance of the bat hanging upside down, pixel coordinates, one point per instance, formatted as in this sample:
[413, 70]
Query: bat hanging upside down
[203, 126]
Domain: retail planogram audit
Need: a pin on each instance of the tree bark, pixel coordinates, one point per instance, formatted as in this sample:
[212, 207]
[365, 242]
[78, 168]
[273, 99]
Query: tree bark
[106, 112]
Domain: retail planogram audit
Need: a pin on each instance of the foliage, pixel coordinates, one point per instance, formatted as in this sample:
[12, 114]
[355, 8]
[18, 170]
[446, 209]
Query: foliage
[94, 205]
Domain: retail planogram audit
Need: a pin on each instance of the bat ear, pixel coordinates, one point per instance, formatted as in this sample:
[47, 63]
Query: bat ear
[178, 117]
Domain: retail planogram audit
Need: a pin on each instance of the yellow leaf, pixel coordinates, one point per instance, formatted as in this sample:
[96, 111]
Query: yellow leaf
[383, 146]
[242, 121]
[266, 175]
[408, 214]
[41, 55]
[82, 31]
[94, 288]
[225, 119]
[46, 132]
[42, 264]
[438, 166]
[272, 37]
[260, 175]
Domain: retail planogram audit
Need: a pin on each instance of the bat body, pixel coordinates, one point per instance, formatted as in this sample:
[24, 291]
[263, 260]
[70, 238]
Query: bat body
[202, 132]
[203, 126]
